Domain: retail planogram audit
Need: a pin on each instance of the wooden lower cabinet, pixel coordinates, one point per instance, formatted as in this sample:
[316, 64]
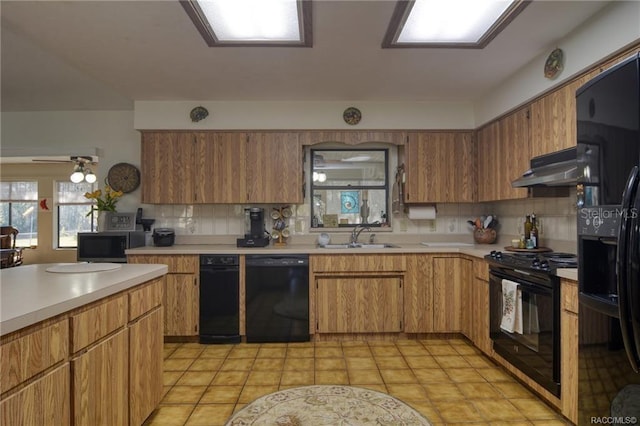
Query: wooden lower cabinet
[43, 402]
[569, 349]
[359, 304]
[145, 367]
[448, 275]
[100, 364]
[181, 298]
[418, 294]
[480, 315]
[99, 382]
[181, 302]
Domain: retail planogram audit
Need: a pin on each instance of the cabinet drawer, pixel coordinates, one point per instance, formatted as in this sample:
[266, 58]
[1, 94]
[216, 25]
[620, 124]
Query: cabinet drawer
[33, 353]
[178, 263]
[481, 270]
[358, 263]
[95, 323]
[144, 299]
[570, 296]
[43, 402]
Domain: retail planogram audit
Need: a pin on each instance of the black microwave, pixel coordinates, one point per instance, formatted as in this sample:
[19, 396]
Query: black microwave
[107, 246]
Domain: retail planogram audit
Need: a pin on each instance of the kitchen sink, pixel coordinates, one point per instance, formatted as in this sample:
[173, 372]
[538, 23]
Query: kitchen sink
[359, 246]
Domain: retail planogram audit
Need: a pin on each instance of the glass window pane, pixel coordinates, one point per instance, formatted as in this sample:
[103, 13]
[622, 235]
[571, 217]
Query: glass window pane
[5, 190]
[24, 191]
[71, 220]
[352, 167]
[24, 217]
[349, 187]
[69, 192]
[4, 213]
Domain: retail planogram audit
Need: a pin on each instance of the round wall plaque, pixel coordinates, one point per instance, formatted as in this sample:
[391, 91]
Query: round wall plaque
[352, 116]
[554, 64]
[123, 177]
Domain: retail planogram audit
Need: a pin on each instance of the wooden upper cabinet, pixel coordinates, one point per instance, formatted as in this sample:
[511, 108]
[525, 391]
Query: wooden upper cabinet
[439, 167]
[221, 169]
[274, 168]
[168, 163]
[503, 148]
[553, 120]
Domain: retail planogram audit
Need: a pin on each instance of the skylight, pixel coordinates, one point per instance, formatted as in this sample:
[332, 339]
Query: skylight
[453, 23]
[252, 22]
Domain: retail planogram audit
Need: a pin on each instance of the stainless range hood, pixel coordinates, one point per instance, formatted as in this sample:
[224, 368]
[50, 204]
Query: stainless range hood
[555, 169]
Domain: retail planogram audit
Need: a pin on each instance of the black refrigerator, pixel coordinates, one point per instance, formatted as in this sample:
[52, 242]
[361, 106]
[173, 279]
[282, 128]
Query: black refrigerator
[608, 228]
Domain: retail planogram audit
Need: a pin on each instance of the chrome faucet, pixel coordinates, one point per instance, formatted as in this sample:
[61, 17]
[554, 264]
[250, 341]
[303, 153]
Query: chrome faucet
[356, 233]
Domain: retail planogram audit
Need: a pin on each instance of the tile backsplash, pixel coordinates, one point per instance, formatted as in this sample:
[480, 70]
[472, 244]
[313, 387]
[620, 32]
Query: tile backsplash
[556, 216]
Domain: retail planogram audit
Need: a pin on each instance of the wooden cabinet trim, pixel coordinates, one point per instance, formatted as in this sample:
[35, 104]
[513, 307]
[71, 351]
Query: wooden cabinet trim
[569, 289]
[178, 263]
[358, 263]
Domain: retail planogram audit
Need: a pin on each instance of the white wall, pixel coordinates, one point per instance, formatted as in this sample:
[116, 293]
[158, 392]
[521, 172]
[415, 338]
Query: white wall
[47, 133]
[613, 28]
[304, 115]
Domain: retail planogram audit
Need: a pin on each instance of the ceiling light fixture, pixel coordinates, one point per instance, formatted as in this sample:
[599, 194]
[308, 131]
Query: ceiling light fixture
[252, 22]
[81, 171]
[457, 24]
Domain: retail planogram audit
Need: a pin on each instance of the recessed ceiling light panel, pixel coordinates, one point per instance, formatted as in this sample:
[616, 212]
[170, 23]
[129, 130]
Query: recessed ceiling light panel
[456, 23]
[252, 22]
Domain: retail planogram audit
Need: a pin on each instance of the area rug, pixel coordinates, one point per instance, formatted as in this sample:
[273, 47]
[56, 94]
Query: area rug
[327, 405]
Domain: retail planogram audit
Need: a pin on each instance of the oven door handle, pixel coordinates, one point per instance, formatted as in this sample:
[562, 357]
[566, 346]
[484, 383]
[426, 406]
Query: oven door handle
[526, 285]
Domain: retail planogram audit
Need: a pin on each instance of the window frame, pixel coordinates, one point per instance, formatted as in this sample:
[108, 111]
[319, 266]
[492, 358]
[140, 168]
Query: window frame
[88, 203]
[384, 187]
[9, 201]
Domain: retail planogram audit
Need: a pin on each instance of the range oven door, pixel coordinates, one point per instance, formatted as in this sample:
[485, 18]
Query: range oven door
[536, 349]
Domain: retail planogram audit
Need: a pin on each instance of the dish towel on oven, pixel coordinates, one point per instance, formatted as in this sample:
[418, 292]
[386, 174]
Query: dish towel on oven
[511, 307]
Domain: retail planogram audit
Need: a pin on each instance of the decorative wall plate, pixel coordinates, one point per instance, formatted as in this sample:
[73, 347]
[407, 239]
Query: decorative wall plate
[123, 177]
[352, 116]
[198, 113]
[554, 64]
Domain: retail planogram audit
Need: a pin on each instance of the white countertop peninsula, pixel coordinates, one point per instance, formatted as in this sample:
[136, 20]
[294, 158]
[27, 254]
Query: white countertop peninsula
[29, 294]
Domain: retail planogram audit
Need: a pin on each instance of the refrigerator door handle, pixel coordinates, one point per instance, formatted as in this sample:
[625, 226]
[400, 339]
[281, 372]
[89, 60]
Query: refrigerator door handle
[622, 257]
[633, 270]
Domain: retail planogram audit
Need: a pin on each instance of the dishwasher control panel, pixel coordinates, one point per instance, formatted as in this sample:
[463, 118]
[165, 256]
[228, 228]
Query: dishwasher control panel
[219, 260]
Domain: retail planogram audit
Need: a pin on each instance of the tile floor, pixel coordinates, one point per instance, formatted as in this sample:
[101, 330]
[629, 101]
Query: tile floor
[448, 381]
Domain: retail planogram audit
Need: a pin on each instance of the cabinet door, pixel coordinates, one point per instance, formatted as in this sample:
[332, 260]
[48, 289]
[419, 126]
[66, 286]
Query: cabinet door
[274, 168]
[439, 167]
[480, 315]
[487, 150]
[167, 170]
[43, 402]
[359, 304]
[418, 294]
[99, 377]
[181, 304]
[448, 275]
[145, 366]
[221, 168]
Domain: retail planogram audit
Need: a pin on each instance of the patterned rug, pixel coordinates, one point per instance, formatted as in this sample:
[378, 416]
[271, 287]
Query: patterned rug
[327, 405]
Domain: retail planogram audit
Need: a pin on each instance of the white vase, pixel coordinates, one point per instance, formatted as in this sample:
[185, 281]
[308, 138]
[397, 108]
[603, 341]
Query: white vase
[101, 224]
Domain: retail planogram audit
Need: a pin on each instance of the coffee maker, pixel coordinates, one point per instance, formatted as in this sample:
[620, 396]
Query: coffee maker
[254, 234]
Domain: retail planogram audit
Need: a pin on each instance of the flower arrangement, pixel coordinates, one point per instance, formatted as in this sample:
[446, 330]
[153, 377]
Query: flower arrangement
[106, 204]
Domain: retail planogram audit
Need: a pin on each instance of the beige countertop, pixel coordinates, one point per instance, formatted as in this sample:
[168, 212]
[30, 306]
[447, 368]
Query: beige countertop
[468, 249]
[30, 294]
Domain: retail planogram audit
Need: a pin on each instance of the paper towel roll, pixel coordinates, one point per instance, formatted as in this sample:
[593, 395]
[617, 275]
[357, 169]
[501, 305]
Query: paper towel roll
[423, 212]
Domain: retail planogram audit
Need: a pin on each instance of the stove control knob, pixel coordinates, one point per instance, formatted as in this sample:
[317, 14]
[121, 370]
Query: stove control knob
[498, 255]
[535, 263]
[544, 264]
[493, 253]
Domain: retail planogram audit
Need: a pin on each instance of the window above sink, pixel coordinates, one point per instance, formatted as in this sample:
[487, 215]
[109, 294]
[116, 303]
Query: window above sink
[349, 187]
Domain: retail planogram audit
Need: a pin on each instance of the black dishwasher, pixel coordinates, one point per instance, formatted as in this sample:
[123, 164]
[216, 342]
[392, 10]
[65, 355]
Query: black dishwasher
[219, 298]
[277, 298]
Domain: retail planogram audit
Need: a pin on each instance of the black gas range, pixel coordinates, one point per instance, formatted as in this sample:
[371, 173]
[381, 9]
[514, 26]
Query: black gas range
[544, 263]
